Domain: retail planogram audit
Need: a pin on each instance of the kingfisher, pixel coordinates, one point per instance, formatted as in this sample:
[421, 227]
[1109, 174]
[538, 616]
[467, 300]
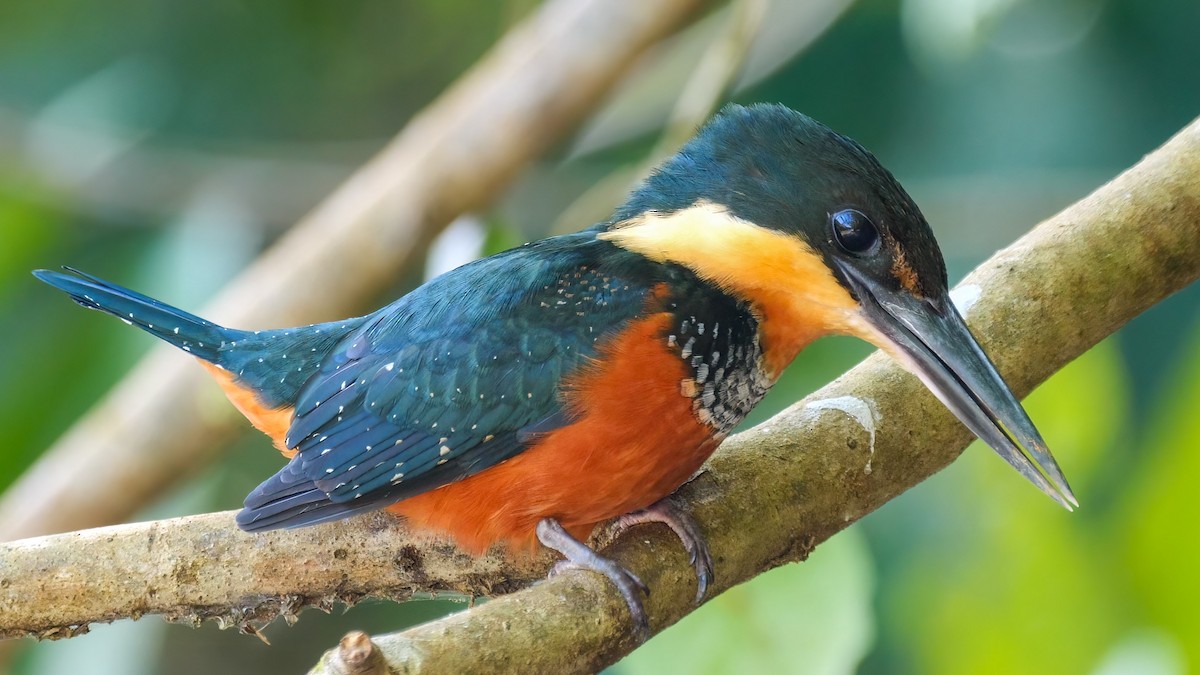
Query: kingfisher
[581, 379]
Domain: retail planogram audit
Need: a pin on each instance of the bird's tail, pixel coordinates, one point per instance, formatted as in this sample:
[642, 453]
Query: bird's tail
[188, 332]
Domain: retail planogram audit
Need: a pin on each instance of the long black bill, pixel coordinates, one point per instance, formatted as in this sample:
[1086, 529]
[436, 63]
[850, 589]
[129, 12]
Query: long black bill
[935, 343]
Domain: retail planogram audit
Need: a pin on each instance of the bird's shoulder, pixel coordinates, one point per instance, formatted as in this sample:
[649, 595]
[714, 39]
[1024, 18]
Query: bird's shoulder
[555, 282]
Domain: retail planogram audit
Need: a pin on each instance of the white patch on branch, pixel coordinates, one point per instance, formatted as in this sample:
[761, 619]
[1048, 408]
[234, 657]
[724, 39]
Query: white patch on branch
[965, 296]
[860, 410]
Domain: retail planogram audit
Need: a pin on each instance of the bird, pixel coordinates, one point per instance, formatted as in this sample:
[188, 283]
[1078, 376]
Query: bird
[579, 380]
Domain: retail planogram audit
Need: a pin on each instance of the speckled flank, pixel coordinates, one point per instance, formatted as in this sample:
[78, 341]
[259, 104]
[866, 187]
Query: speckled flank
[726, 378]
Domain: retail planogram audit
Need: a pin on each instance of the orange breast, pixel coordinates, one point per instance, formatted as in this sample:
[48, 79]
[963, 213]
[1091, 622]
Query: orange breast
[636, 440]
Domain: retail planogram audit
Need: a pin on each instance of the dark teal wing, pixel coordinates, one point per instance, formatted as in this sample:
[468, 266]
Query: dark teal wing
[453, 378]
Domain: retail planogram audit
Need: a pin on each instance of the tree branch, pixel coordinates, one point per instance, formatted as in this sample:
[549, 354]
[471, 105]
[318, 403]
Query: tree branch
[768, 496]
[159, 422]
[202, 567]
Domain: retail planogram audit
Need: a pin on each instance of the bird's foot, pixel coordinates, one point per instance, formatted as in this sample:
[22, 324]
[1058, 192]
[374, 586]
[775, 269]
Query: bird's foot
[579, 556]
[669, 513]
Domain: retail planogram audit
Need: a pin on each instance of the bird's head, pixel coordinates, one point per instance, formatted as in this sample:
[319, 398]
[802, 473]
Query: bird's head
[811, 231]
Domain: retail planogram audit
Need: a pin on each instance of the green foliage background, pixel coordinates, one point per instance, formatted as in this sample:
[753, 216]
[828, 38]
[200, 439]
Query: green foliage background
[164, 144]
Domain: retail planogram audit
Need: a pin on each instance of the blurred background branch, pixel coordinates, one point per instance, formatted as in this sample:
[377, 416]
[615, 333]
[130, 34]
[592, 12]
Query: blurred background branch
[139, 186]
[705, 88]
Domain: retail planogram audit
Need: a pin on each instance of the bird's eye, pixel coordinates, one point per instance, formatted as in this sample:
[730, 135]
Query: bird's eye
[853, 231]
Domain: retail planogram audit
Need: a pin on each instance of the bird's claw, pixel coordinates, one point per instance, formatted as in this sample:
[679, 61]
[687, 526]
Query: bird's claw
[669, 513]
[632, 589]
[579, 556]
[634, 580]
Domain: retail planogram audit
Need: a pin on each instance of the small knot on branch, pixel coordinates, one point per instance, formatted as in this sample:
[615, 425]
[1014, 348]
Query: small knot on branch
[356, 655]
